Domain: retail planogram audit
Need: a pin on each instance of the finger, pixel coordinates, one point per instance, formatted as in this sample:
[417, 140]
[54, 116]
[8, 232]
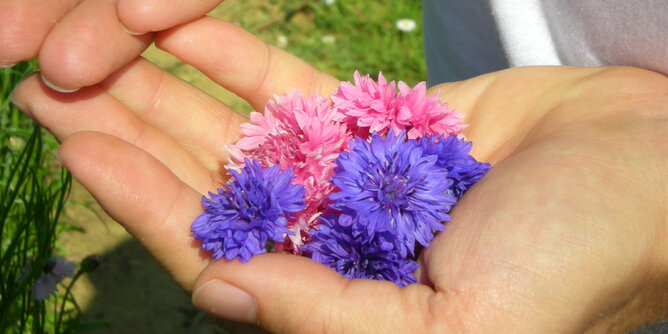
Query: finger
[86, 46]
[141, 194]
[292, 294]
[24, 26]
[92, 109]
[193, 118]
[243, 64]
[140, 16]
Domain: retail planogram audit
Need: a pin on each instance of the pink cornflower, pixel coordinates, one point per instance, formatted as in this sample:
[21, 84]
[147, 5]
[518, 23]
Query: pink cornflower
[303, 133]
[370, 106]
[367, 106]
[301, 229]
[423, 115]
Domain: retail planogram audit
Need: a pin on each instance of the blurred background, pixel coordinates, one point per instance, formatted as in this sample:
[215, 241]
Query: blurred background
[45, 215]
[335, 36]
[129, 292]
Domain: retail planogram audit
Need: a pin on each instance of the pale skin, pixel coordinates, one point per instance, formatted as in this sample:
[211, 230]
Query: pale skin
[80, 42]
[567, 233]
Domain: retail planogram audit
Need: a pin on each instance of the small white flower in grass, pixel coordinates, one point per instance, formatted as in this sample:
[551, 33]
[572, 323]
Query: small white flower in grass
[16, 144]
[406, 25]
[281, 41]
[329, 2]
[328, 39]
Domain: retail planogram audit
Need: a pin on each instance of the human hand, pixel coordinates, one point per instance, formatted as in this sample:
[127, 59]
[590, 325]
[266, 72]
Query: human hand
[81, 42]
[567, 233]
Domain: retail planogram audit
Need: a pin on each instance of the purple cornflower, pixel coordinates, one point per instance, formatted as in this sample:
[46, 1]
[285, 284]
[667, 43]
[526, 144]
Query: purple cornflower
[54, 272]
[253, 207]
[392, 186]
[453, 155]
[337, 244]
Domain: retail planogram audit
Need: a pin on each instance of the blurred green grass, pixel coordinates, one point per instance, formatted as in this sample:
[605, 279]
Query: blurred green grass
[365, 37]
[337, 37]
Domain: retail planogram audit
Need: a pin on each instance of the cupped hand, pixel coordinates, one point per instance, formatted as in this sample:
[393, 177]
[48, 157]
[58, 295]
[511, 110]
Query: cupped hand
[81, 42]
[567, 233]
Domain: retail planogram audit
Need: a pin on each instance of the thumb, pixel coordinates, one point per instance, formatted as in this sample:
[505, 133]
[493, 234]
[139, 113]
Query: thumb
[292, 294]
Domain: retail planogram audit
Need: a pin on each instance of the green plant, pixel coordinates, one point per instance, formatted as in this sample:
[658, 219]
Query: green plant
[33, 192]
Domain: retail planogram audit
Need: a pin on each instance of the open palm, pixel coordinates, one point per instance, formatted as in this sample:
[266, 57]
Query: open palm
[566, 233]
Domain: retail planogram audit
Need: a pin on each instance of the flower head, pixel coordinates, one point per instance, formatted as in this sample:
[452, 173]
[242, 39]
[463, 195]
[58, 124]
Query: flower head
[281, 41]
[337, 244]
[328, 39]
[252, 208]
[391, 186]
[422, 115]
[406, 25]
[453, 155]
[44, 287]
[370, 106]
[299, 133]
[54, 272]
[300, 228]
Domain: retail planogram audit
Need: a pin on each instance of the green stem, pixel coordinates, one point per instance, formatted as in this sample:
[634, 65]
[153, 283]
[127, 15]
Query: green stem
[65, 298]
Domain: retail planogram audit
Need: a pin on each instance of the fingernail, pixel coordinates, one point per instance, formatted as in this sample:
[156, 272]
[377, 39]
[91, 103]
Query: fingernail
[56, 88]
[7, 65]
[130, 31]
[19, 105]
[223, 300]
[24, 108]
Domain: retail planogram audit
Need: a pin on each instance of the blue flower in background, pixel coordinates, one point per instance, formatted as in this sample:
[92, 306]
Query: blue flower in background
[391, 186]
[253, 207]
[54, 272]
[337, 244]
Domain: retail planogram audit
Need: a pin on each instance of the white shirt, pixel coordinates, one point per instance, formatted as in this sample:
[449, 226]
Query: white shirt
[465, 38]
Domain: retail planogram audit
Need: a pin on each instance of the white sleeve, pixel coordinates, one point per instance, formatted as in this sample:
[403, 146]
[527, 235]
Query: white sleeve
[467, 38]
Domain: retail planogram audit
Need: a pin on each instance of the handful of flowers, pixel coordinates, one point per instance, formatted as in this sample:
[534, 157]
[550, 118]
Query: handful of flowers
[359, 181]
